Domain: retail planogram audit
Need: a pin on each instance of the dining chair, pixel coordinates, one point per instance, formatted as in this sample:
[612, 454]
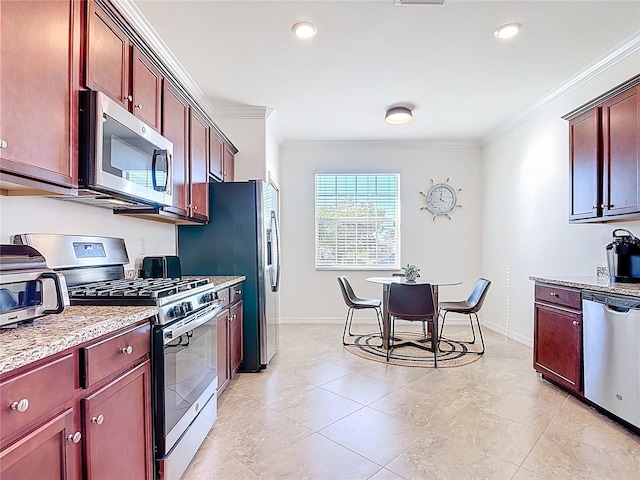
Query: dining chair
[413, 303]
[471, 306]
[356, 303]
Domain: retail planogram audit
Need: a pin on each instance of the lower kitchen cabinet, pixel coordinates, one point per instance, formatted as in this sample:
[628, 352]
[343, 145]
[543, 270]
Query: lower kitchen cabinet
[557, 350]
[82, 413]
[116, 423]
[230, 334]
[48, 452]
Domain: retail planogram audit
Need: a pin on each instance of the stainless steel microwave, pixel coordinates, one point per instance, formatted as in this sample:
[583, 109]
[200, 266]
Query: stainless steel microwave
[121, 156]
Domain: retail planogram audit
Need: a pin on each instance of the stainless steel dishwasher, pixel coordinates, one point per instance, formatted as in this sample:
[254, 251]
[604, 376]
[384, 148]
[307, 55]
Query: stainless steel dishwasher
[611, 341]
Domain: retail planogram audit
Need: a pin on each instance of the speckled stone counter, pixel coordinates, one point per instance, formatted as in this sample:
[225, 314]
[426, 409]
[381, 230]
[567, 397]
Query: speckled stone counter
[592, 283]
[54, 333]
[220, 282]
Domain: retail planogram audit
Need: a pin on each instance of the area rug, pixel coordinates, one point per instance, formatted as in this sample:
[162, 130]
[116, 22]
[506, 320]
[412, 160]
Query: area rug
[454, 354]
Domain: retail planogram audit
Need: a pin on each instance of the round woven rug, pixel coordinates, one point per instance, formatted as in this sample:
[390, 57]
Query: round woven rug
[454, 354]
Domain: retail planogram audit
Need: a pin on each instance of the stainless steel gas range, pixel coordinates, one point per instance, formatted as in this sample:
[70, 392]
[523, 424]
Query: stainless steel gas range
[183, 343]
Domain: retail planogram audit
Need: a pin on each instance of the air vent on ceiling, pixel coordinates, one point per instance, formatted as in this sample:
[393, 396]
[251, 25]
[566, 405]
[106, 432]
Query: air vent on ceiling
[419, 2]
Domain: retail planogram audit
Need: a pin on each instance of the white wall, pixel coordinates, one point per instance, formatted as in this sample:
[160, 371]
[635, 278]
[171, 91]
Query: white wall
[525, 210]
[46, 215]
[442, 248]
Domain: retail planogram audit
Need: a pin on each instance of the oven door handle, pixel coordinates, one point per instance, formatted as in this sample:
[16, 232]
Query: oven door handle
[186, 325]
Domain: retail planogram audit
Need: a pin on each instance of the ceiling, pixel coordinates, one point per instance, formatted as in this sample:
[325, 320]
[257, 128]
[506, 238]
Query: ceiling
[442, 61]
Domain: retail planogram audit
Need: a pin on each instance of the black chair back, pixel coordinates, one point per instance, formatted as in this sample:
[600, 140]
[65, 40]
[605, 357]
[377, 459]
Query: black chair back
[347, 292]
[478, 294]
[411, 302]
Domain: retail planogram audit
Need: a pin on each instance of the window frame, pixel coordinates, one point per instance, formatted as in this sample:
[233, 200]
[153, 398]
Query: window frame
[396, 220]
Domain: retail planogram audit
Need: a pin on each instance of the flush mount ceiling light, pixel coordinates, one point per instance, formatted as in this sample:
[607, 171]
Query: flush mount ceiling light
[304, 29]
[507, 31]
[398, 115]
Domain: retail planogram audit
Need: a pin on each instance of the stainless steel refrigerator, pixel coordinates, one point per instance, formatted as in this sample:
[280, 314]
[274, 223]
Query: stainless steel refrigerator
[242, 238]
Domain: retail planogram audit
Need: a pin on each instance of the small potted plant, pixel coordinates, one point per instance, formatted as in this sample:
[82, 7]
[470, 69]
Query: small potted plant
[411, 272]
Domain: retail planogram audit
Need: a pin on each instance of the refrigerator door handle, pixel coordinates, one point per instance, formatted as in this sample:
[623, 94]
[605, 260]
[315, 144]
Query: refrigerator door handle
[275, 283]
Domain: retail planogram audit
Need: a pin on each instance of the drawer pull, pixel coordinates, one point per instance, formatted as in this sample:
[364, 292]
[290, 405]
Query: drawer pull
[553, 294]
[238, 292]
[575, 322]
[20, 406]
[98, 420]
[128, 350]
[139, 106]
[74, 437]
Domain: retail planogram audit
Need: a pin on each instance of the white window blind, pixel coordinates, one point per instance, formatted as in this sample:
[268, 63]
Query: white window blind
[357, 221]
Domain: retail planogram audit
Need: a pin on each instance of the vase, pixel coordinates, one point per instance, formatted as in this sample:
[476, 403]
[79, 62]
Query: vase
[411, 276]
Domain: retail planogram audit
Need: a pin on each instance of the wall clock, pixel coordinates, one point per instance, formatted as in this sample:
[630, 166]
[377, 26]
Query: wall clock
[441, 199]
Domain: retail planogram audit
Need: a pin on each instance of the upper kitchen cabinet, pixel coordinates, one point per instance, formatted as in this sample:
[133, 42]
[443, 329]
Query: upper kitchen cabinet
[221, 158]
[116, 67]
[175, 127]
[40, 51]
[199, 167]
[605, 156]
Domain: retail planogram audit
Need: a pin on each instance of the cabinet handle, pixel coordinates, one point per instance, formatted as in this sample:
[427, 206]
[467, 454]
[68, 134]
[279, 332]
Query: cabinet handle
[98, 420]
[139, 106]
[604, 205]
[576, 323]
[3, 143]
[20, 406]
[74, 437]
[128, 98]
[238, 292]
[128, 350]
[553, 294]
[195, 207]
[593, 207]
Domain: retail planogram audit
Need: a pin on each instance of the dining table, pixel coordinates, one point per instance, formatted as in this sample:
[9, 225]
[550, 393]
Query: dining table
[386, 281]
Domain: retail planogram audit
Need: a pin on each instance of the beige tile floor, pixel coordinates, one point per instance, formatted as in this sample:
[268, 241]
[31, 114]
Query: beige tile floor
[319, 412]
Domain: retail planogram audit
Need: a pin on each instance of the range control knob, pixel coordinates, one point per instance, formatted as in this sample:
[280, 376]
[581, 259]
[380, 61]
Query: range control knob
[208, 297]
[177, 311]
[187, 307]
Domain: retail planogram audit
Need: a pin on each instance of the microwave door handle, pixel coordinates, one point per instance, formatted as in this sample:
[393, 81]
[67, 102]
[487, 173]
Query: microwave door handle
[154, 169]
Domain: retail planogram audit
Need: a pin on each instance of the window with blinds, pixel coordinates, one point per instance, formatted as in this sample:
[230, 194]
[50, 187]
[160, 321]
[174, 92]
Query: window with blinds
[357, 221]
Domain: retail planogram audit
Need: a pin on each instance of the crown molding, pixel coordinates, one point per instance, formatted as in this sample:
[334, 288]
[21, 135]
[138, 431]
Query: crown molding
[379, 144]
[618, 53]
[243, 112]
[137, 20]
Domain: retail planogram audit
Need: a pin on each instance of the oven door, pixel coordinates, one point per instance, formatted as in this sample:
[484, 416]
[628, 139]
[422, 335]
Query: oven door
[184, 372]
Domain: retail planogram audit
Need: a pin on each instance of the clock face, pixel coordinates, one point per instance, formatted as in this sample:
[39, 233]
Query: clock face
[441, 198]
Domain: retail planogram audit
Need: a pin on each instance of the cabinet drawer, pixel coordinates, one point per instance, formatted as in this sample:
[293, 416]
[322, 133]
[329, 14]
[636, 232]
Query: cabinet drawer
[567, 297]
[223, 297]
[236, 294]
[109, 356]
[41, 390]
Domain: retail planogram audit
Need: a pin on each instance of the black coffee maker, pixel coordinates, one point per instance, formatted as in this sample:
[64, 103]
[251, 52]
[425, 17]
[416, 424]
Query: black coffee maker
[623, 257]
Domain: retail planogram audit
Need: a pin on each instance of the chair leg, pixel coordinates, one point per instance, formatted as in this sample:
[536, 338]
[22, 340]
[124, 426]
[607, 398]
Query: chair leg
[472, 329]
[480, 330]
[347, 323]
[379, 317]
[444, 316]
[390, 339]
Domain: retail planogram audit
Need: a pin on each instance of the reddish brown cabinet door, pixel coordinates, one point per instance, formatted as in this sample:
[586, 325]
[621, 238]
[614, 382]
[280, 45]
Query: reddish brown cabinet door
[216, 156]
[146, 90]
[235, 337]
[558, 345]
[585, 166]
[175, 127]
[229, 166]
[199, 168]
[39, 90]
[223, 349]
[47, 452]
[621, 153]
[108, 58]
[117, 428]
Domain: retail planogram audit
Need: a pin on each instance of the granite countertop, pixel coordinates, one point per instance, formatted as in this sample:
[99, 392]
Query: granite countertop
[593, 283]
[51, 334]
[220, 281]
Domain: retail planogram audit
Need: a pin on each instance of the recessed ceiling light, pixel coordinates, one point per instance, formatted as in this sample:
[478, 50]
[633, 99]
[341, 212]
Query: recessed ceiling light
[304, 30]
[398, 115]
[507, 31]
